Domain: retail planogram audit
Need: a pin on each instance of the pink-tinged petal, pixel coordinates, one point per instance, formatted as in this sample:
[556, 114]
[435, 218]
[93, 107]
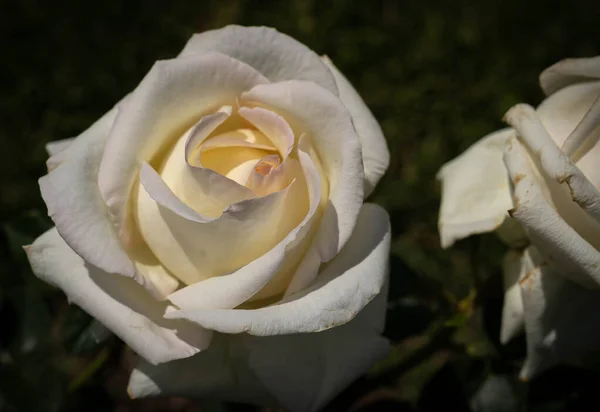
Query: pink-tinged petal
[375, 153]
[275, 55]
[268, 175]
[273, 126]
[257, 369]
[119, 303]
[170, 99]
[560, 318]
[557, 240]
[569, 71]
[475, 190]
[343, 288]
[314, 111]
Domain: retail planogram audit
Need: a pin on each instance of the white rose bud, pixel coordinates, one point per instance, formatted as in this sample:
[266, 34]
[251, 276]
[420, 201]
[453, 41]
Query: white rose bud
[221, 204]
[543, 172]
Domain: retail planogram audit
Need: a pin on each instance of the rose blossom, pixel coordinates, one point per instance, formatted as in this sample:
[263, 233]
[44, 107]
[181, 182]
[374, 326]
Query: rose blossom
[218, 205]
[536, 184]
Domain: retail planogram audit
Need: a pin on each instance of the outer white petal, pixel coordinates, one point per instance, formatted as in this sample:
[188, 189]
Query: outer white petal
[119, 303]
[517, 263]
[313, 111]
[376, 156]
[321, 364]
[170, 99]
[569, 71]
[561, 113]
[343, 288]
[561, 319]
[475, 190]
[560, 244]
[58, 146]
[300, 372]
[75, 205]
[276, 55]
[220, 372]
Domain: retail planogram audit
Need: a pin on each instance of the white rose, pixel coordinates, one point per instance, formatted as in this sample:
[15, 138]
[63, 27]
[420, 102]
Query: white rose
[224, 196]
[545, 173]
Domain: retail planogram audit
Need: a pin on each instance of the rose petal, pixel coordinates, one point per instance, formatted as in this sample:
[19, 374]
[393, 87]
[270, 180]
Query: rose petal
[303, 252]
[375, 153]
[257, 369]
[57, 146]
[235, 163]
[560, 319]
[575, 198]
[196, 249]
[342, 289]
[275, 55]
[273, 126]
[323, 363]
[163, 281]
[313, 111]
[475, 190]
[204, 190]
[203, 128]
[569, 71]
[562, 113]
[218, 371]
[574, 257]
[239, 138]
[582, 141]
[278, 176]
[229, 291]
[80, 215]
[158, 190]
[119, 303]
[308, 269]
[172, 96]
[75, 204]
[516, 265]
[60, 150]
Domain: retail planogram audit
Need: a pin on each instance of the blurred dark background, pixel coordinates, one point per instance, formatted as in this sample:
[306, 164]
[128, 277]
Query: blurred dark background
[438, 75]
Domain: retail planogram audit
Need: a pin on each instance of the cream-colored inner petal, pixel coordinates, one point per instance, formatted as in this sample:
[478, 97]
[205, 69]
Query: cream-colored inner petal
[227, 168]
[236, 163]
